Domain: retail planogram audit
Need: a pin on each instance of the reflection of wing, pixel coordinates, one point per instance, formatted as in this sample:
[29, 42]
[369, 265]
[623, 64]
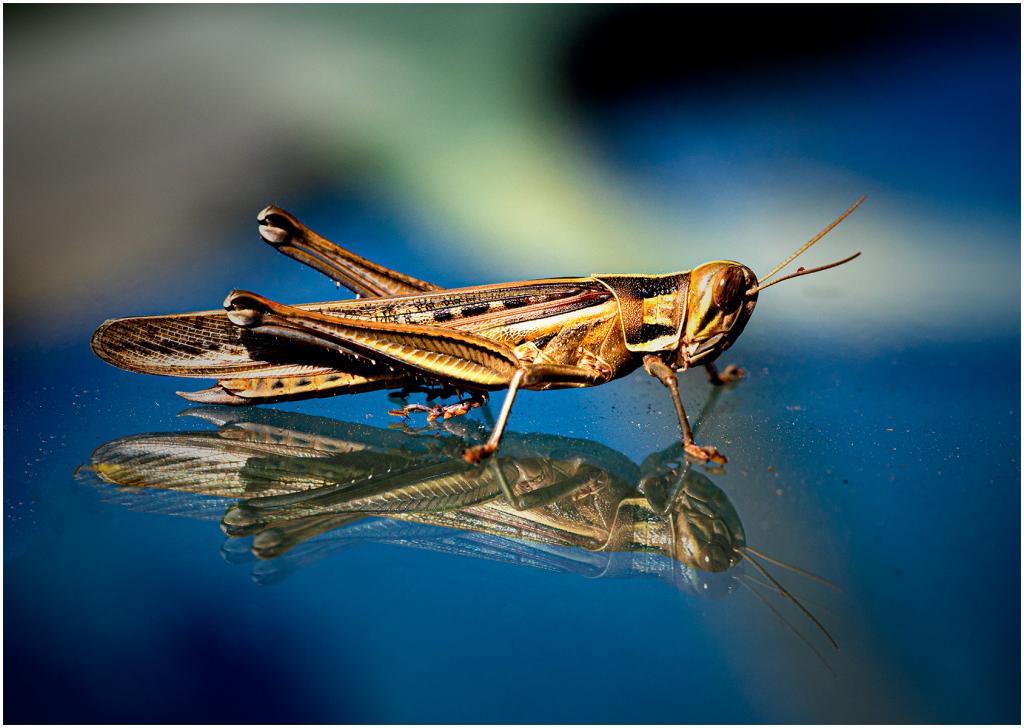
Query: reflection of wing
[428, 538]
[202, 463]
[162, 502]
[441, 486]
[264, 453]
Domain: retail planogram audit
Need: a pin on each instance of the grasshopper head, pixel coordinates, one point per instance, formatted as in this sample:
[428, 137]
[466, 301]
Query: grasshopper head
[718, 306]
[722, 295]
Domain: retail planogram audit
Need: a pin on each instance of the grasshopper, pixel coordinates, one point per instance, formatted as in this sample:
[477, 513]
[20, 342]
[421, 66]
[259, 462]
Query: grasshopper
[402, 332]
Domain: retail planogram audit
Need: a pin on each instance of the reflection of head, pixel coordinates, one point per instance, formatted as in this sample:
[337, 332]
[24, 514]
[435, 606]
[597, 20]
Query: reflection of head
[705, 530]
[707, 533]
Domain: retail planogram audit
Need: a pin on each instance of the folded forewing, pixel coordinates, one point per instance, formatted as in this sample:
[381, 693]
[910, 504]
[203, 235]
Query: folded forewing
[434, 352]
[207, 344]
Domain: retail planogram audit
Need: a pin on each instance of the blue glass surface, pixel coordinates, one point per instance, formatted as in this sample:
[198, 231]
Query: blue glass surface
[882, 453]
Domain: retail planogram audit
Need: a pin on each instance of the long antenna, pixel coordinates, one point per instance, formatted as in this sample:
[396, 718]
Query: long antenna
[800, 272]
[813, 240]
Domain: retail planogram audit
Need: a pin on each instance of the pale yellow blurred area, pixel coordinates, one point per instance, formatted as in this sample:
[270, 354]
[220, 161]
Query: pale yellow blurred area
[137, 138]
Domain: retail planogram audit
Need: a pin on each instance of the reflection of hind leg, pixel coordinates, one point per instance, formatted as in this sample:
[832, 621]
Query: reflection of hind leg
[549, 493]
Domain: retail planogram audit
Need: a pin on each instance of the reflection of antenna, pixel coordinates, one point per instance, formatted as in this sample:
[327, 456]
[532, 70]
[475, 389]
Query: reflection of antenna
[765, 585]
[785, 592]
[796, 569]
[786, 622]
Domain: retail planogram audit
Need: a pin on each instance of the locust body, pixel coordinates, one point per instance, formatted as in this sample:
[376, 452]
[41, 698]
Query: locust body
[407, 333]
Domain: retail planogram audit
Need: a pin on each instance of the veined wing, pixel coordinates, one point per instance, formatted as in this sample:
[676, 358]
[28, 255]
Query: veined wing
[424, 488]
[202, 463]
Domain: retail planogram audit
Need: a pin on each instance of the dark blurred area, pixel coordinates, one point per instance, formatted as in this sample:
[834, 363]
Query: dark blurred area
[699, 52]
[140, 141]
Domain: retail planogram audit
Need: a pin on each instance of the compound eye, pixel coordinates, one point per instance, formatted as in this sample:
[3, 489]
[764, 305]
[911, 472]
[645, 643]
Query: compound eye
[728, 287]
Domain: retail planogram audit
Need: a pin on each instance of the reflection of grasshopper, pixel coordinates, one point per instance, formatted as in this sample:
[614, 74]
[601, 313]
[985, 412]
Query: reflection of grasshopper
[542, 334]
[546, 501]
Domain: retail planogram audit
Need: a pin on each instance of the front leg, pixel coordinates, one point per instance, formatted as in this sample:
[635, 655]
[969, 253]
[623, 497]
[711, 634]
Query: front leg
[661, 371]
[730, 374]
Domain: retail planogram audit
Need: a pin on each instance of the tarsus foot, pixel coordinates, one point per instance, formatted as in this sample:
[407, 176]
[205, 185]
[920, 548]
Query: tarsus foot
[705, 453]
[730, 374]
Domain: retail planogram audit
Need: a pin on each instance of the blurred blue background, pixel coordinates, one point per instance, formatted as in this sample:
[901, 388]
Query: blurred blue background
[479, 144]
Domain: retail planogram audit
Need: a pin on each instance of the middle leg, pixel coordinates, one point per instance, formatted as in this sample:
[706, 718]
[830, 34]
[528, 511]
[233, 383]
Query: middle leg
[529, 377]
